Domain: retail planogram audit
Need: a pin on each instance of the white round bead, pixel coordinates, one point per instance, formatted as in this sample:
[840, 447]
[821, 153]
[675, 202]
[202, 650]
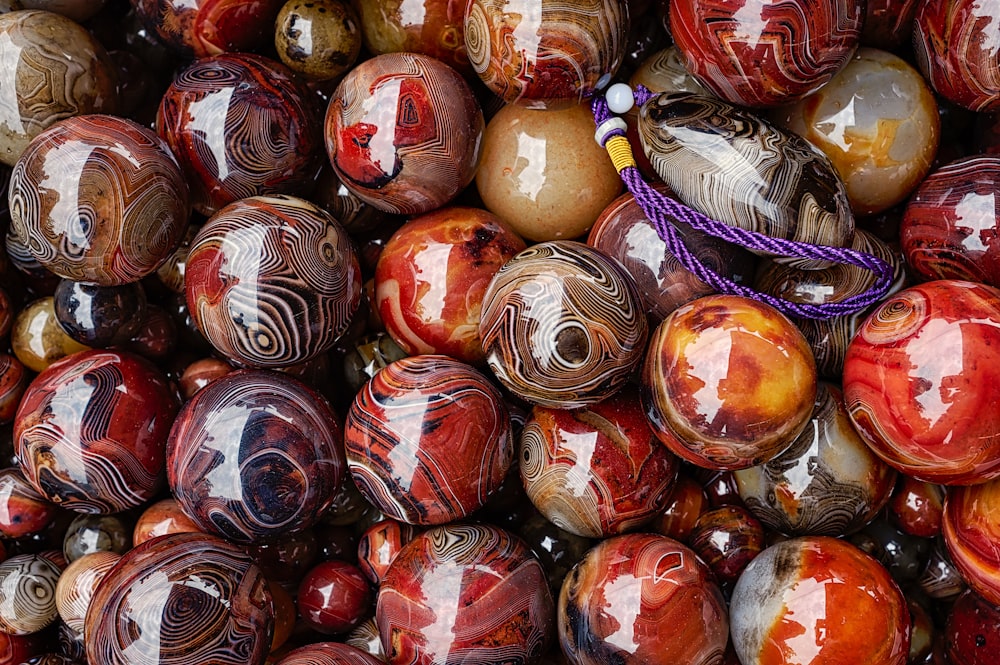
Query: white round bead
[619, 98]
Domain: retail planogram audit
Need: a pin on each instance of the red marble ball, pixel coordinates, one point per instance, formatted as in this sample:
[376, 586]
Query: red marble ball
[334, 597]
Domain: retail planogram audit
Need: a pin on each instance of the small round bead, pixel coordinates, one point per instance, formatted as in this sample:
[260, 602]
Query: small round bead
[620, 99]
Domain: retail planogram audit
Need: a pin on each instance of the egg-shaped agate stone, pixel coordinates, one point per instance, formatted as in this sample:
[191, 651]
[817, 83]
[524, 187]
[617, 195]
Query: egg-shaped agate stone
[921, 377]
[562, 325]
[816, 599]
[728, 382]
[545, 54]
[877, 121]
[642, 598]
[765, 52]
[742, 170]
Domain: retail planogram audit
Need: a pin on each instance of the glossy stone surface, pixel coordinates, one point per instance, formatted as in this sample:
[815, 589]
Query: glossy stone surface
[379, 545]
[319, 39]
[972, 633]
[543, 173]
[57, 70]
[36, 337]
[927, 413]
[469, 592]
[558, 550]
[728, 382]
[765, 52]
[328, 653]
[562, 325]
[431, 277]
[888, 23]
[272, 281]
[23, 511]
[255, 454]
[334, 597]
[727, 539]
[642, 598]
[742, 170]
[162, 518]
[200, 28]
[956, 48]
[940, 578]
[99, 199]
[596, 471]
[826, 483]
[547, 53]
[885, 144]
[88, 534]
[403, 132]
[950, 229]
[971, 529]
[28, 592]
[816, 599]
[624, 232]
[14, 378]
[240, 125]
[191, 585]
[664, 71]
[687, 502]
[91, 429]
[431, 27]
[99, 316]
[428, 440]
[77, 585]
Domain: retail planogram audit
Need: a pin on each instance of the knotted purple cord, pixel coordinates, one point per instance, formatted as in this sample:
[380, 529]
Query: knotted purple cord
[659, 209]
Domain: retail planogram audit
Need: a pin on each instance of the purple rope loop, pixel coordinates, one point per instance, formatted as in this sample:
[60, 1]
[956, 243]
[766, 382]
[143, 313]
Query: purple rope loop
[660, 209]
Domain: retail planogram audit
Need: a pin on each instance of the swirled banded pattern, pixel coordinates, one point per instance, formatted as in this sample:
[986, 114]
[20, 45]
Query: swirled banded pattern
[91, 430]
[98, 199]
[596, 471]
[482, 581]
[181, 599]
[272, 281]
[745, 172]
[546, 53]
[562, 325]
[949, 228]
[827, 483]
[28, 592]
[240, 125]
[765, 52]
[77, 585]
[56, 69]
[955, 46]
[676, 613]
[664, 71]
[255, 454]
[379, 545]
[203, 28]
[922, 377]
[428, 440]
[13, 382]
[970, 529]
[403, 132]
[328, 653]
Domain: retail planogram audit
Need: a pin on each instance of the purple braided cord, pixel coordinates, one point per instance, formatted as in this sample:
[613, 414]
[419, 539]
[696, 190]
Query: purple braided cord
[659, 209]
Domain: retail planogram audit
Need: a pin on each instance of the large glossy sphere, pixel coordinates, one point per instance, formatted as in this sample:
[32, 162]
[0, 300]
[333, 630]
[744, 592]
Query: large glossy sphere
[100, 316]
[181, 599]
[543, 173]
[818, 600]
[91, 430]
[403, 132]
[922, 377]
[28, 592]
[728, 382]
[955, 44]
[200, 28]
[642, 598]
[469, 593]
[56, 70]
[971, 530]
[951, 226]
[826, 483]
[328, 653]
[240, 125]
[562, 325]
[428, 440]
[596, 471]
[885, 146]
[272, 281]
[765, 52]
[431, 277]
[319, 39]
[545, 53]
[973, 631]
[255, 454]
[98, 199]
[431, 27]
